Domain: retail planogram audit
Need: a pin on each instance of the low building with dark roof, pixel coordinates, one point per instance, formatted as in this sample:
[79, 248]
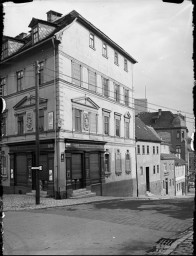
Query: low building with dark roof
[148, 170]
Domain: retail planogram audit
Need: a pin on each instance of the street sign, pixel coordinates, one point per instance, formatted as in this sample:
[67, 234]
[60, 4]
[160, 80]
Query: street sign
[2, 105]
[37, 168]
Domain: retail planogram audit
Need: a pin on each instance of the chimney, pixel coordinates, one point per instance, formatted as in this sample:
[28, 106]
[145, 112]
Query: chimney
[21, 36]
[52, 16]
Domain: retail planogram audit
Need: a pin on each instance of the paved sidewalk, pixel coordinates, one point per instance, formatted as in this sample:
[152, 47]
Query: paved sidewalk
[14, 202]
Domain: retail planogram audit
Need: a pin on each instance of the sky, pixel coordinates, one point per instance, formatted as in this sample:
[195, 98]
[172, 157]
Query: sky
[158, 35]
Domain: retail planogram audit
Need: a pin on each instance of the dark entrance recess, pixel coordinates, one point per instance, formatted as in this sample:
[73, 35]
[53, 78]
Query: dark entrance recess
[77, 170]
[166, 186]
[147, 179]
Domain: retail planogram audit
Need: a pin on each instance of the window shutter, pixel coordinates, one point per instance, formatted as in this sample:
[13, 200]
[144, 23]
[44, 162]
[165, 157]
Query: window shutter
[76, 69]
[92, 81]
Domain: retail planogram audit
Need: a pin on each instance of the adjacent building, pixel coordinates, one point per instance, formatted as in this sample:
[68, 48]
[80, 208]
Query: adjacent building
[86, 113]
[148, 170]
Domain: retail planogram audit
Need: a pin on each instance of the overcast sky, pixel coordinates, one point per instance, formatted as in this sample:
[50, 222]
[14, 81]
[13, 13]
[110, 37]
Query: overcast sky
[157, 34]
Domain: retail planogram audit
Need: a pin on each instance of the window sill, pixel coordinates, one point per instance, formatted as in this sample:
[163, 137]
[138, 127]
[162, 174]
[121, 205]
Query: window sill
[127, 171]
[107, 174]
[118, 173]
[92, 47]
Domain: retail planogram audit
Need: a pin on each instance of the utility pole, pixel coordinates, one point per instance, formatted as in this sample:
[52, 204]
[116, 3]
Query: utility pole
[37, 71]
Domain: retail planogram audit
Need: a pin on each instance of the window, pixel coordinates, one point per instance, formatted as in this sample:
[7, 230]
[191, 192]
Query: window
[165, 167]
[170, 182]
[105, 50]
[182, 134]
[3, 125]
[153, 150]
[35, 35]
[118, 168]
[126, 97]
[19, 75]
[125, 65]
[4, 50]
[178, 149]
[92, 81]
[138, 149]
[76, 73]
[78, 120]
[20, 125]
[178, 135]
[41, 120]
[117, 92]
[117, 127]
[127, 129]
[157, 150]
[106, 125]
[143, 149]
[107, 163]
[154, 169]
[2, 86]
[141, 170]
[116, 58]
[105, 87]
[157, 168]
[127, 163]
[41, 72]
[3, 164]
[92, 41]
[147, 150]
[163, 184]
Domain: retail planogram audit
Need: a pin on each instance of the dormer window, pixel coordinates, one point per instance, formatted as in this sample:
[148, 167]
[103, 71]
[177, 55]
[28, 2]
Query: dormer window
[5, 50]
[35, 34]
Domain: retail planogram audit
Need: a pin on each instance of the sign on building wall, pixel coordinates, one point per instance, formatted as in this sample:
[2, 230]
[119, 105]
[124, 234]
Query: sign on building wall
[85, 121]
[50, 121]
[29, 120]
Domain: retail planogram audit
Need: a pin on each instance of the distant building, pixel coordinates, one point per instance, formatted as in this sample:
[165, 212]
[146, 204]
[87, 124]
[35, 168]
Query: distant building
[141, 105]
[147, 159]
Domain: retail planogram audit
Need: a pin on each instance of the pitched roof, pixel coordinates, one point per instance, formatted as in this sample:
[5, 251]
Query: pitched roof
[65, 21]
[144, 132]
[178, 161]
[163, 119]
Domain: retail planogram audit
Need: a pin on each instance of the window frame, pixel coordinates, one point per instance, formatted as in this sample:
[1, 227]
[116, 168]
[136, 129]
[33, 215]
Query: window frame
[92, 40]
[126, 97]
[157, 168]
[2, 86]
[116, 58]
[90, 85]
[154, 169]
[41, 72]
[157, 150]
[127, 160]
[143, 149]
[105, 84]
[117, 92]
[125, 65]
[77, 120]
[20, 124]
[178, 135]
[118, 158]
[138, 150]
[127, 129]
[35, 34]
[148, 150]
[4, 50]
[20, 77]
[153, 150]
[104, 50]
[75, 80]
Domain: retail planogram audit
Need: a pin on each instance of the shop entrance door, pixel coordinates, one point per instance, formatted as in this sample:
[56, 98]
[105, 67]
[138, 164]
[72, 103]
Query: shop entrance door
[94, 168]
[77, 171]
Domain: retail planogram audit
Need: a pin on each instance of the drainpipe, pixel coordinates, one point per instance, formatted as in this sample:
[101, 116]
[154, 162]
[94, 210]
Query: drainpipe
[55, 124]
[136, 167]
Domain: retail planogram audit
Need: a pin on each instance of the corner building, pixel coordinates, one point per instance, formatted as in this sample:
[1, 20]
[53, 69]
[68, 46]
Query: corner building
[86, 109]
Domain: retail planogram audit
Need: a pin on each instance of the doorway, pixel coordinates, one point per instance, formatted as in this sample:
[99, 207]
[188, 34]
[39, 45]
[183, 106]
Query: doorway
[147, 179]
[166, 186]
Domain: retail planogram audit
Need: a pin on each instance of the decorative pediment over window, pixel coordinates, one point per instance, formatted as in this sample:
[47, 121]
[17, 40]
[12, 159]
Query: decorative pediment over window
[85, 101]
[127, 115]
[30, 102]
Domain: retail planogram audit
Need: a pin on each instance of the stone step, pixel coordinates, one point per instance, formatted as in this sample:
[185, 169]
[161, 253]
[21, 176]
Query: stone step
[83, 192]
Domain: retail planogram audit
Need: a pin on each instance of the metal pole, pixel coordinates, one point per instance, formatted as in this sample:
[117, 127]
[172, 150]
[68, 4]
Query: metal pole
[37, 197]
